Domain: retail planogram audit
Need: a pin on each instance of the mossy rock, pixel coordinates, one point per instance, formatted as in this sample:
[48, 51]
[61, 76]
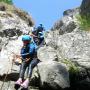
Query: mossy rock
[76, 73]
[72, 67]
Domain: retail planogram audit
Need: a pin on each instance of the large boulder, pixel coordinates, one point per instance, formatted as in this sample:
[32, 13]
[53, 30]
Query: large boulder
[53, 75]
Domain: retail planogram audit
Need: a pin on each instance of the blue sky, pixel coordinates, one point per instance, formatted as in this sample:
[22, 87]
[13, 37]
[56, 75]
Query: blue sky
[46, 12]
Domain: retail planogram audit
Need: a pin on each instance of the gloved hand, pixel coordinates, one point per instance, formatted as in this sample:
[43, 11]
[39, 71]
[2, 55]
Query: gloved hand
[27, 59]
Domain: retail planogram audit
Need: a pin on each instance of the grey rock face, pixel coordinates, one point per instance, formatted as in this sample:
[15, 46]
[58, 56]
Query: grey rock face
[10, 32]
[11, 29]
[73, 44]
[85, 7]
[71, 12]
[2, 8]
[46, 55]
[65, 25]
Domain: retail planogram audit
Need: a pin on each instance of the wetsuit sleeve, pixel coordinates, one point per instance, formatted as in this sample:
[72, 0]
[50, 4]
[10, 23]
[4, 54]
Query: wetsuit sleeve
[23, 54]
[30, 52]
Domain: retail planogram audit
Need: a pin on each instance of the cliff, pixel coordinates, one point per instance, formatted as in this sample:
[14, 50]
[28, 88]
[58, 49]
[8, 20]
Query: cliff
[65, 58]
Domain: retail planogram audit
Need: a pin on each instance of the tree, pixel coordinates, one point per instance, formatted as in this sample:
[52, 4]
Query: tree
[7, 1]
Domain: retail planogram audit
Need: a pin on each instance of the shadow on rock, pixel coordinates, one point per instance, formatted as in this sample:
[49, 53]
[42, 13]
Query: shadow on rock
[9, 77]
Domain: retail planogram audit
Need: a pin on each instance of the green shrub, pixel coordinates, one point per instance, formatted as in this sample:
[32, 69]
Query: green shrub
[72, 67]
[7, 1]
[84, 22]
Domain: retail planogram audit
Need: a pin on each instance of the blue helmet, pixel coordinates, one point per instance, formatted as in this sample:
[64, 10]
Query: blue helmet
[26, 38]
[40, 25]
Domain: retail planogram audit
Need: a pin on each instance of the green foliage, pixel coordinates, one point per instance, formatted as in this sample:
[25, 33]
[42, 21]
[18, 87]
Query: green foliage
[7, 1]
[72, 67]
[84, 22]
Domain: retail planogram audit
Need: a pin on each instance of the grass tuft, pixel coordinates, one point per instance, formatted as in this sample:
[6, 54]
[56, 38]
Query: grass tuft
[83, 22]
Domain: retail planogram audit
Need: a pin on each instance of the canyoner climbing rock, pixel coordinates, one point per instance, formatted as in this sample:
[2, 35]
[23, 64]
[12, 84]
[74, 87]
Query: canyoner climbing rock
[13, 24]
[10, 35]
